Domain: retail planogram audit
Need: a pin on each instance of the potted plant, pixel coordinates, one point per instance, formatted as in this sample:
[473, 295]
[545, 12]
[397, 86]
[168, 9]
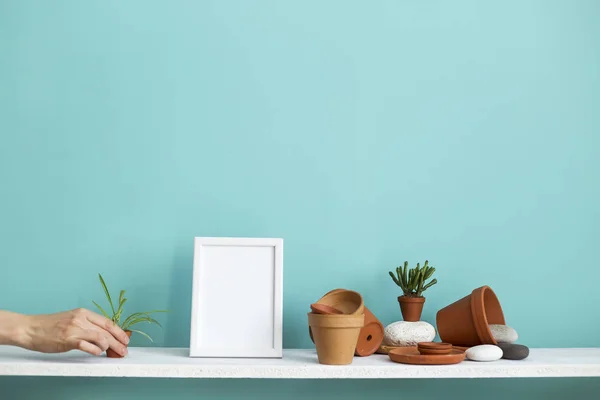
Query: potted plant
[413, 283]
[116, 316]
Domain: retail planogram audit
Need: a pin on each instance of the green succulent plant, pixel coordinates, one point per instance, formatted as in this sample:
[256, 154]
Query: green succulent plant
[117, 313]
[413, 281]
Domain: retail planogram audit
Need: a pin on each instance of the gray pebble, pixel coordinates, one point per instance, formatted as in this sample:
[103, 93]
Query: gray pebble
[514, 351]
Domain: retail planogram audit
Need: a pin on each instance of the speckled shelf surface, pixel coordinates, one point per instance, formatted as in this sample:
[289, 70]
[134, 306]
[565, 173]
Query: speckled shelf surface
[296, 364]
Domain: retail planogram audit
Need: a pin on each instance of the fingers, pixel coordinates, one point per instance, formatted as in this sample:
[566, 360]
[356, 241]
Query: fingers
[104, 340]
[102, 332]
[88, 348]
[108, 326]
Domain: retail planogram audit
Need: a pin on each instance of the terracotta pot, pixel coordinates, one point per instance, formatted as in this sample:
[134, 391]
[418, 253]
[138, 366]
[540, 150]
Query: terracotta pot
[411, 307]
[110, 353]
[465, 322]
[335, 336]
[371, 335]
[370, 338]
[347, 301]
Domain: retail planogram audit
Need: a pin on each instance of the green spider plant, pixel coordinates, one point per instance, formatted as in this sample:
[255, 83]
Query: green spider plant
[132, 319]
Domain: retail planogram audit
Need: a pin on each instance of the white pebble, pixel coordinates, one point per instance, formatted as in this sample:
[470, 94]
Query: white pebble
[485, 352]
[503, 333]
[404, 333]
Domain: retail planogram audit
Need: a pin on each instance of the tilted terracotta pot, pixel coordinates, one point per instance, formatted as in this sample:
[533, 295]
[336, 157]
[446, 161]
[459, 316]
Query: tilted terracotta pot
[465, 322]
[347, 301]
[110, 353]
[411, 307]
[335, 336]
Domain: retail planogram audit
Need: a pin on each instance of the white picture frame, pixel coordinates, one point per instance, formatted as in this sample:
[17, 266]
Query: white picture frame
[237, 298]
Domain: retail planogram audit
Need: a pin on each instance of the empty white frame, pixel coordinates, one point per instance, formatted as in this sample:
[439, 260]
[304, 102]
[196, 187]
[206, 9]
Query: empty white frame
[237, 298]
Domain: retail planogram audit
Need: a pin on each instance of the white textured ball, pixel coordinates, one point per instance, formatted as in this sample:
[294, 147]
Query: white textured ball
[403, 333]
[503, 333]
[484, 352]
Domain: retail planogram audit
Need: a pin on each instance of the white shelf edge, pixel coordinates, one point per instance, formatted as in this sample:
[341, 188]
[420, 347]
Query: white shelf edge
[295, 364]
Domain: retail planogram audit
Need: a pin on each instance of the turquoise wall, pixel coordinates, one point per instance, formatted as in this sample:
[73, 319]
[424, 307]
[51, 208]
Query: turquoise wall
[363, 133]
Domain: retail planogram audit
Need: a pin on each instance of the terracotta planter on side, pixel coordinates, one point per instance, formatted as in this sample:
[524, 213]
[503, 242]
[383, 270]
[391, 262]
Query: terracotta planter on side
[335, 336]
[465, 322]
[411, 307]
[110, 353]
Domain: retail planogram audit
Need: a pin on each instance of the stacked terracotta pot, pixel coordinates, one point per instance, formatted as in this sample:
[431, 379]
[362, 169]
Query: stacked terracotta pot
[341, 326]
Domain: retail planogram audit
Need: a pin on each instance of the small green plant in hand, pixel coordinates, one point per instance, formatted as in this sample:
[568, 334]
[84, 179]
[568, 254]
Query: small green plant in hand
[413, 281]
[116, 314]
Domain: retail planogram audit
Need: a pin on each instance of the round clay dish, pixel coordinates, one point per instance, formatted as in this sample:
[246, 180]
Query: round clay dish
[410, 355]
[384, 349]
[324, 309]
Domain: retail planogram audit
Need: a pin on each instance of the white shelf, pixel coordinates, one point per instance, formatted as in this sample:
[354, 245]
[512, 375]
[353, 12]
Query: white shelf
[296, 364]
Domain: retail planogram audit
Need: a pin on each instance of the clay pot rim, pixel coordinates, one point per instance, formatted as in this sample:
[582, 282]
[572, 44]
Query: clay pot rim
[411, 299]
[333, 291]
[479, 315]
[339, 321]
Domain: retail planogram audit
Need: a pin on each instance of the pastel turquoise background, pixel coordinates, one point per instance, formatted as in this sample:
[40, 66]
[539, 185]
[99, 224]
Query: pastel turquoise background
[364, 133]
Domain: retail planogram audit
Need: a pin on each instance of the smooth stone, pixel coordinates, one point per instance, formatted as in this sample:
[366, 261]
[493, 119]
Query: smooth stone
[514, 351]
[503, 333]
[484, 352]
[404, 333]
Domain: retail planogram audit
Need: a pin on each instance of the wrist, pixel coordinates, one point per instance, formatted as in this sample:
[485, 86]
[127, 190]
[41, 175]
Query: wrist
[14, 329]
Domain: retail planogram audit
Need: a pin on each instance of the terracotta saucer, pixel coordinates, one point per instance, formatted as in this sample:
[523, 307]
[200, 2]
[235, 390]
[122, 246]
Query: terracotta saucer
[434, 348]
[385, 349]
[434, 351]
[434, 345]
[324, 309]
[410, 355]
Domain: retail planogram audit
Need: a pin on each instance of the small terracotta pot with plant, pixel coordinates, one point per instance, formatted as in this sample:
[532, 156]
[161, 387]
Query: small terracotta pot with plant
[413, 283]
[116, 316]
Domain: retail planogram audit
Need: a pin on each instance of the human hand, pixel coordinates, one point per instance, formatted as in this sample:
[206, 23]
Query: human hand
[78, 329]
